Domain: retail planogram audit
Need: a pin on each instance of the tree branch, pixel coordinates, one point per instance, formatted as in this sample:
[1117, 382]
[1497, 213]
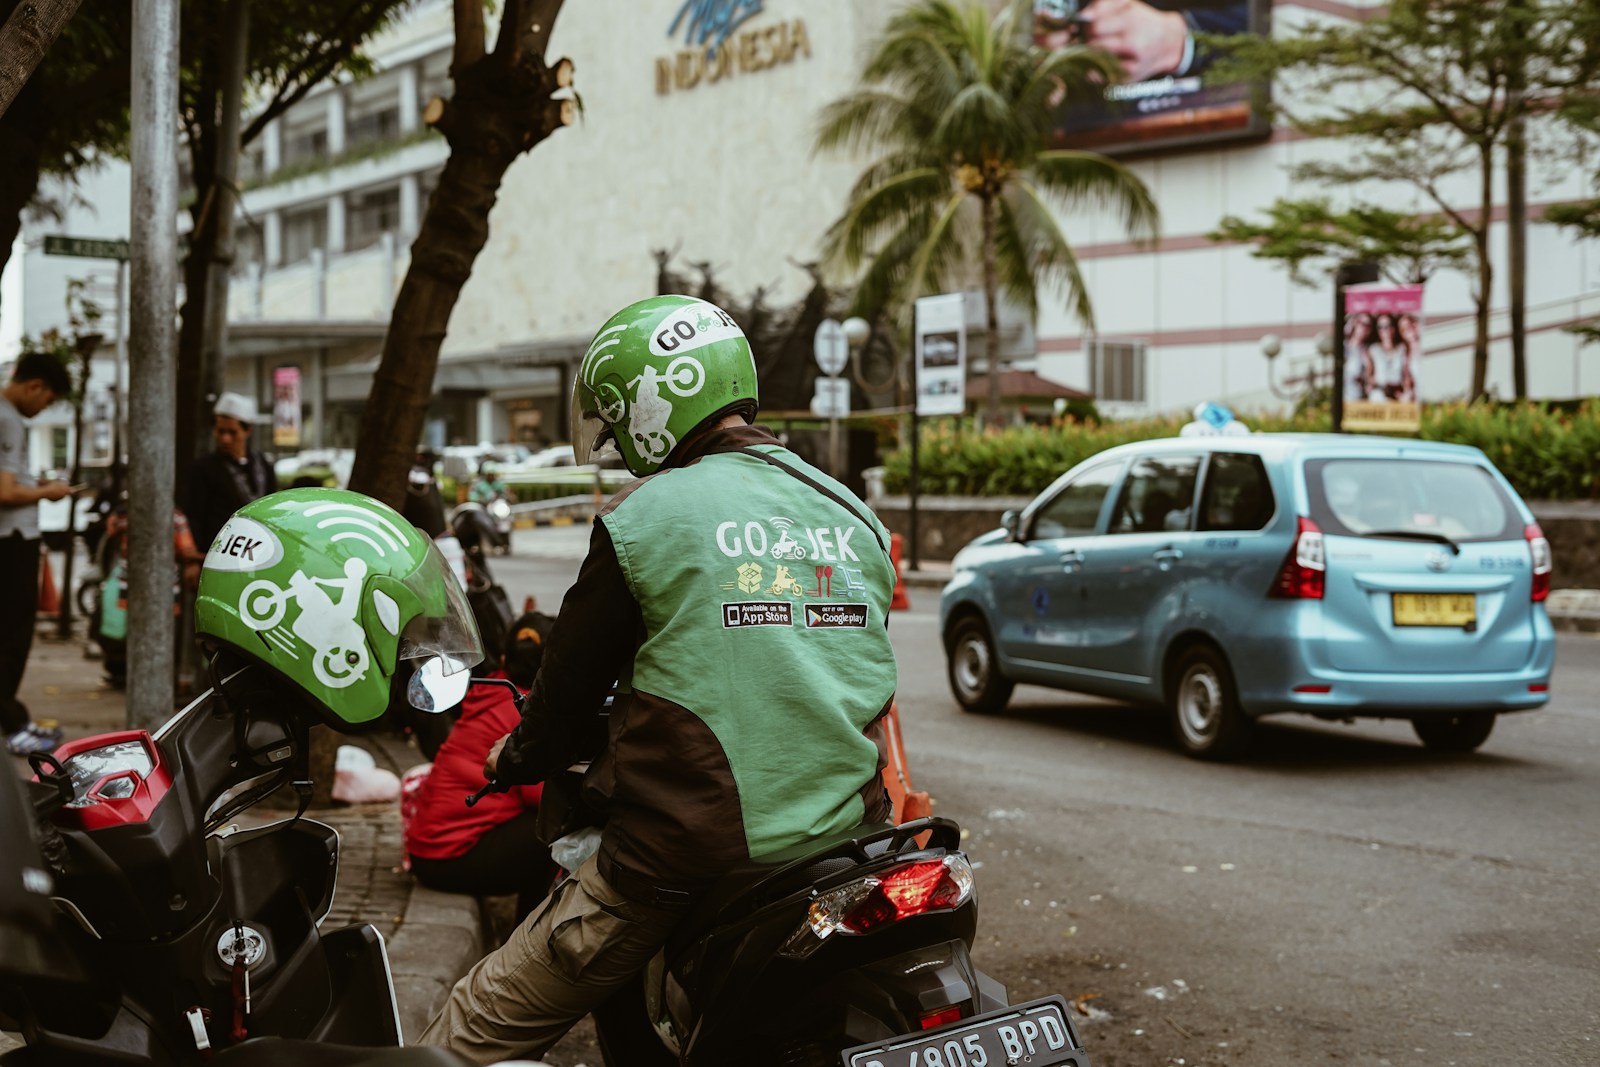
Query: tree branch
[470, 44]
[25, 38]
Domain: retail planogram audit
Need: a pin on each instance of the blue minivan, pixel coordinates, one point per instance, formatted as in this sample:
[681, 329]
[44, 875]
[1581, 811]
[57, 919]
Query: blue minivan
[1228, 578]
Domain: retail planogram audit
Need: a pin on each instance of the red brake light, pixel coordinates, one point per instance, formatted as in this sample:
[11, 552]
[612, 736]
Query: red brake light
[1304, 571]
[1543, 565]
[905, 891]
[940, 1017]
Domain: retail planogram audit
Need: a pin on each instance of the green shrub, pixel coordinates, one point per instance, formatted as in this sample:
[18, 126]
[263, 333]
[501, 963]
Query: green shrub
[1549, 452]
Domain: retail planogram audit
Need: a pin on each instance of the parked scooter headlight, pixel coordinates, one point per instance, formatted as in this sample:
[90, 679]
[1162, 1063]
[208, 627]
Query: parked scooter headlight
[869, 903]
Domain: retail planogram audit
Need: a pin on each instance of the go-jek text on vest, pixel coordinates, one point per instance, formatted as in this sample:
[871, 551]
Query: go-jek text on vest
[825, 544]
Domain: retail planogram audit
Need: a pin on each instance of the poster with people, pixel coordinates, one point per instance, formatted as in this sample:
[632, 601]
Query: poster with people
[1382, 354]
[286, 407]
[1163, 98]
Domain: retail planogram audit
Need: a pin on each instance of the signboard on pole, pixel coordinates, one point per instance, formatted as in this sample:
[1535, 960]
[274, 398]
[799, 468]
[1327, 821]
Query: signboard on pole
[941, 354]
[832, 399]
[286, 407]
[831, 347]
[85, 247]
[1382, 353]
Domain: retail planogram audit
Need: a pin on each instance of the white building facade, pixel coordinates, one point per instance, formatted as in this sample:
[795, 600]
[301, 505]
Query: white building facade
[710, 159]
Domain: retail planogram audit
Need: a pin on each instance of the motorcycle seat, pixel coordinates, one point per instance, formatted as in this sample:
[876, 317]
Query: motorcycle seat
[275, 1052]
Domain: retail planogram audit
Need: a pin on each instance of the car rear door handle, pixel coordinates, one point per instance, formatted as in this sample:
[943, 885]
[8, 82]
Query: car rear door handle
[1166, 557]
[1071, 560]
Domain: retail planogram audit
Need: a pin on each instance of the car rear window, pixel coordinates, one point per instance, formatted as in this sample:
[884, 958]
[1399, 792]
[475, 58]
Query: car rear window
[1372, 497]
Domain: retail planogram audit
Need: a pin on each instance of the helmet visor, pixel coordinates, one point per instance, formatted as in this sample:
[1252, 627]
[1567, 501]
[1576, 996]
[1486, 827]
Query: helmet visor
[446, 626]
[588, 428]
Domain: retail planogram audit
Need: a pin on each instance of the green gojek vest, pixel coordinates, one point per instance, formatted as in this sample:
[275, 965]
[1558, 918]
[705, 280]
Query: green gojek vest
[764, 610]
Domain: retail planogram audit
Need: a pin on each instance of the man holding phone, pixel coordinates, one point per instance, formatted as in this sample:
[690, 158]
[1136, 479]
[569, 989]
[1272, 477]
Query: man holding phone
[36, 382]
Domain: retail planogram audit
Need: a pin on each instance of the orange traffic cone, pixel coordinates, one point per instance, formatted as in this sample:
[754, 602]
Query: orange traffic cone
[901, 602]
[908, 803]
[49, 599]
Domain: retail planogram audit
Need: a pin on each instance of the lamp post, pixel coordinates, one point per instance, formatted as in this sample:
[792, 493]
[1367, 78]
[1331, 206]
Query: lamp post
[1272, 346]
[856, 331]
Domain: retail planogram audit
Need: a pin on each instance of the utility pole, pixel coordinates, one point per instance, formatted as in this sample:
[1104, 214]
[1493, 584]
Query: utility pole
[1517, 204]
[152, 373]
[213, 344]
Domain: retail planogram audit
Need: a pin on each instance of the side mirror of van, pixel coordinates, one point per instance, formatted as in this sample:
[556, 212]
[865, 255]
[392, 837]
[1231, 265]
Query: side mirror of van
[1012, 521]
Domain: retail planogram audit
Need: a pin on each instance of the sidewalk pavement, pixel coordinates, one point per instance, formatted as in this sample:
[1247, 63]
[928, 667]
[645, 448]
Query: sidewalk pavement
[1571, 610]
[433, 937]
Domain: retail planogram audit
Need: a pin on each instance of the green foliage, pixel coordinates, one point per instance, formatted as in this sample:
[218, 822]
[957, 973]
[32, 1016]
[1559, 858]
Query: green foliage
[1548, 452]
[1308, 233]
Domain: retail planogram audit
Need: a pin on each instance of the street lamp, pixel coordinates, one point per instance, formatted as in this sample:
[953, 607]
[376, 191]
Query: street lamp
[1272, 345]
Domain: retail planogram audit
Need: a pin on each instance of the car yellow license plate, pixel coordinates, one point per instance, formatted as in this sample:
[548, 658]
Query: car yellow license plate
[1435, 609]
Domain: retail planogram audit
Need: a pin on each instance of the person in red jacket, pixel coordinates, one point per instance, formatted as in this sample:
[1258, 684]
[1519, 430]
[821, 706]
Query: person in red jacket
[489, 849]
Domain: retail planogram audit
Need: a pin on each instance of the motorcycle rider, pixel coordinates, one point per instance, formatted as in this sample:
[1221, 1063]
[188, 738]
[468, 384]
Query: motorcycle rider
[748, 715]
[489, 487]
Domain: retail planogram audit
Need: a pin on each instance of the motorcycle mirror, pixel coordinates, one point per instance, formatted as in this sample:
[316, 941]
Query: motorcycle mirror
[438, 685]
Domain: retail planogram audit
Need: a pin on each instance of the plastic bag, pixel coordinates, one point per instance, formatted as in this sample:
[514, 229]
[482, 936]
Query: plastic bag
[357, 779]
[570, 851]
[410, 803]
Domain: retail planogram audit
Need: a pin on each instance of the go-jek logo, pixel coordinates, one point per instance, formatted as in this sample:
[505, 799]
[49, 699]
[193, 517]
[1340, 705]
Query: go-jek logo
[790, 542]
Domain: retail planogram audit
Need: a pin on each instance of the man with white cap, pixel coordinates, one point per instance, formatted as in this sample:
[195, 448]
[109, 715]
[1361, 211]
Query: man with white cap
[226, 479]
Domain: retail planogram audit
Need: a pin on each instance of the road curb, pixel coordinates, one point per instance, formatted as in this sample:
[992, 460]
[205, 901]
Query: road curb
[439, 939]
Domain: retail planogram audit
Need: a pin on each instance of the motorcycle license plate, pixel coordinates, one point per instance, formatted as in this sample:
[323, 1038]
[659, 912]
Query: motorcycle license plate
[1435, 609]
[1036, 1033]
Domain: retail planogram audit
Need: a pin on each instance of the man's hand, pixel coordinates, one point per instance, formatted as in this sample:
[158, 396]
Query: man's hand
[54, 491]
[491, 764]
[1147, 42]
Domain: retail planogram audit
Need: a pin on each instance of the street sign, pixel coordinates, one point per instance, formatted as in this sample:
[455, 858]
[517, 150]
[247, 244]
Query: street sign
[832, 400]
[940, 351]
[85, 247]
[831, 347]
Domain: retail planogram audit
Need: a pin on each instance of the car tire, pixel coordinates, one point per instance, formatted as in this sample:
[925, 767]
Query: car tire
[1207, 720]
[1454, 733]
[973, 667]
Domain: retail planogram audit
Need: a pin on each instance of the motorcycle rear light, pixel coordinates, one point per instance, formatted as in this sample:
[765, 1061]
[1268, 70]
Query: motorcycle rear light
[940, 1017]
[883, 898]
[1303, 575]
[1543, 565]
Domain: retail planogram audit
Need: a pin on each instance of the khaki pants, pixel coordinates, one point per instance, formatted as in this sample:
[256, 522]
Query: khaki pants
[584, 941]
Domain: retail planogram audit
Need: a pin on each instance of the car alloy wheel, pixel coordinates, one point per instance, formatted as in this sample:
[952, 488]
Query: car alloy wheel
[974, 668]
[1206, 716]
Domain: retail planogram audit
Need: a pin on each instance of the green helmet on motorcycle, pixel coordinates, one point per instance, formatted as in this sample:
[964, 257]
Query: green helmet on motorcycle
[333, 591]
[656, 370]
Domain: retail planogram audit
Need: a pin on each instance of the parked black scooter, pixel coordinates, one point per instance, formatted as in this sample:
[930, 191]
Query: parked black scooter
[856, 946]
[193, 935]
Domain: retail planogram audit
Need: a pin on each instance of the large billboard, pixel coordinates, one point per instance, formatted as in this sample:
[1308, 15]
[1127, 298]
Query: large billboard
[1163, 101]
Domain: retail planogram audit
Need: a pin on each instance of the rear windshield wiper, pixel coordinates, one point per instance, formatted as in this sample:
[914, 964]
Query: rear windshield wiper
[1416, 535]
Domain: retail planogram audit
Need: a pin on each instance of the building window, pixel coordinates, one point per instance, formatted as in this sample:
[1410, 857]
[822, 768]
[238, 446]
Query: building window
[246, 247]
[371, 215]
[304, 232]
[1117, 371]
[373, 127]
[303, 146]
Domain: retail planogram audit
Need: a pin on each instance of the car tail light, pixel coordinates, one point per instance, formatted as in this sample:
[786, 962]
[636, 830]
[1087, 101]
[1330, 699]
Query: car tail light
[1542, 563]
[939, 1017]
[1304, 571]
[881, 899]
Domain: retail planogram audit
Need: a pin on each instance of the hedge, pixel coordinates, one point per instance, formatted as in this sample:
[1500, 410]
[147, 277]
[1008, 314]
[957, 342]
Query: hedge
[1549, 452]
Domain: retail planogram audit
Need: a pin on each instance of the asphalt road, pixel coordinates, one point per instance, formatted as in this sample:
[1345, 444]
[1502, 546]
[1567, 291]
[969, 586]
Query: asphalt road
[1341, 896]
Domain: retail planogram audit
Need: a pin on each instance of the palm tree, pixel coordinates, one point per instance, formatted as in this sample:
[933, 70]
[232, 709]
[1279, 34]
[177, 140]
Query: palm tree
[959, 105]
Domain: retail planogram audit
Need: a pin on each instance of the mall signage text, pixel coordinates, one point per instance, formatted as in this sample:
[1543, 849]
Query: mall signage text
[743, 53]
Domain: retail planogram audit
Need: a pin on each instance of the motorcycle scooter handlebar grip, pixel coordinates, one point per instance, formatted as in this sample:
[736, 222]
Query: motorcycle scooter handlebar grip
[493, 785]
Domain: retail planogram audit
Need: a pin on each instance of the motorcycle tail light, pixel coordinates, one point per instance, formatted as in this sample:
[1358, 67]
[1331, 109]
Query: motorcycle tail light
[939, 1017]
[886, 897]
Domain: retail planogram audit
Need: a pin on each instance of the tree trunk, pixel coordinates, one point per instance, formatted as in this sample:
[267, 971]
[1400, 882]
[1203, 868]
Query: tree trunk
[25, 38]
[1517, 240]
[502, 107]
[19, 181]
[991, 318]
[1485, 292]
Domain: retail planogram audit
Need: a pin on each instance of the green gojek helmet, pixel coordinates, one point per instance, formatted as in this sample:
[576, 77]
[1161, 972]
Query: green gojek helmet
[334, 591]
[656, 370]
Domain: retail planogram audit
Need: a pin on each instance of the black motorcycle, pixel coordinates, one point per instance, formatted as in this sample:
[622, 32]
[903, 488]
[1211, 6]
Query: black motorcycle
[854, 947]
[192, 935]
